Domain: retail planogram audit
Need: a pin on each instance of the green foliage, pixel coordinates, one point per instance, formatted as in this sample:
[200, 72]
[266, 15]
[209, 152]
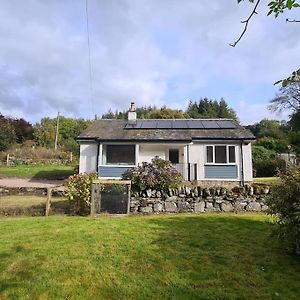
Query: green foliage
[266, 163]
[69, 129]
[7, 135]
[79, 189]
[204, 108]
[158, 175]
[285, 205]
[277, 145]
[207, 108]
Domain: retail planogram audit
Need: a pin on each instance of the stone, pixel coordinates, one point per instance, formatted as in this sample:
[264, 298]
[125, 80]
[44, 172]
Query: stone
[146, 209]
[218, 200]
[184, 206]
[223, 191]
[209, 205]
[181, 195]
[158, 194]
[153, 194]
[266, 190]
[172, 198]
[264, 208]
[226, 207]
[170, 207]
[251, 191]
[199, 207]
[240, 206]
[200, 193]
[158, 207]
[206, 193]
[253, 206]
[187, 191]
[148, 193]
[195, 191]
[170, 192]
[216, 207]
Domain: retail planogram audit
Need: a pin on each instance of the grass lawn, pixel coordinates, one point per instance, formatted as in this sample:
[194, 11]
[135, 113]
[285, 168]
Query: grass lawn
[24, 201]
[37, 171]
[211, 256]
[266, 180]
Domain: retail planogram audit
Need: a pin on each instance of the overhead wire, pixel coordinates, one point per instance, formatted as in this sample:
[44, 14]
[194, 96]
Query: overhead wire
[89, 56]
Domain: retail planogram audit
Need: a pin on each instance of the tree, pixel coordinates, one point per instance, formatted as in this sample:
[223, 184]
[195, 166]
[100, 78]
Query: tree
[207, 108]
[276, 7]
[288, 98]
[7, 134]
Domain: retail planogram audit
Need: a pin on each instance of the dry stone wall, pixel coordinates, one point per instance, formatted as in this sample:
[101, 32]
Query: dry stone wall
[200, 200]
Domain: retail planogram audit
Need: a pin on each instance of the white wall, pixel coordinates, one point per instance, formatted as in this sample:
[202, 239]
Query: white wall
[247, 160]
[88, 157]
[149, 151]
[197, 154]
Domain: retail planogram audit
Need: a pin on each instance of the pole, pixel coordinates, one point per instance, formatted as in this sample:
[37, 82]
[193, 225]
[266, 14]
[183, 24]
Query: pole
[56, 134]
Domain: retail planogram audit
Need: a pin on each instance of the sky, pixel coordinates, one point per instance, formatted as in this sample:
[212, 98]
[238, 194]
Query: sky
[151, 52]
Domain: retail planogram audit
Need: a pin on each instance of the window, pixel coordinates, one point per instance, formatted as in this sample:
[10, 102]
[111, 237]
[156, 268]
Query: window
[118, 155]
[221, 154]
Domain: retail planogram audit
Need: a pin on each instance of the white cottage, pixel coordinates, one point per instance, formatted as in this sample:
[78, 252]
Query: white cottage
[215, 150]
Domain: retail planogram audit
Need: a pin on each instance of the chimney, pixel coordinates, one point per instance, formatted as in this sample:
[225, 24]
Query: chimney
[132, 113]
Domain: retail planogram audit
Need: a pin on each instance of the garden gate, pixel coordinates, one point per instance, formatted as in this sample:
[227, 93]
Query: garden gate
[110, 196]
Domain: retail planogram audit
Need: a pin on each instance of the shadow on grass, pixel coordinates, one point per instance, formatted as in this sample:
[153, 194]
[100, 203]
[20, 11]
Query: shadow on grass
[19, 272]
[55, 174]
[214, 257]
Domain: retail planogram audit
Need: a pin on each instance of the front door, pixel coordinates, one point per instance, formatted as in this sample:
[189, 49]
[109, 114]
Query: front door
[174, 156]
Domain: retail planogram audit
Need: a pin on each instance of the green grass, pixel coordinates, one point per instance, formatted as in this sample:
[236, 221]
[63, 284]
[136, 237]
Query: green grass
[266, 180]
[37, 171]
[24, 201]
[211, 256]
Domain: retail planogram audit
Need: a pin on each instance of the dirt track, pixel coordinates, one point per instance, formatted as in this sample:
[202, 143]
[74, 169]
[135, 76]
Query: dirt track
[20, 182]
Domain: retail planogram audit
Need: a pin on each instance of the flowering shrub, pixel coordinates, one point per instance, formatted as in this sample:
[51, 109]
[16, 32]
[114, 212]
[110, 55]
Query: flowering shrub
[158, 175]
[79, 190]
[284, 203]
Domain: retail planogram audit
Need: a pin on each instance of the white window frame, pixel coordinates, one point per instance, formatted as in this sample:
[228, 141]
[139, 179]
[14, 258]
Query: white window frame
[227, 155]
[118, 144]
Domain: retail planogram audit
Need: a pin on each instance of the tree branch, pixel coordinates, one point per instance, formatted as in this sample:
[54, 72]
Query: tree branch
[246, 24]
[292, 21]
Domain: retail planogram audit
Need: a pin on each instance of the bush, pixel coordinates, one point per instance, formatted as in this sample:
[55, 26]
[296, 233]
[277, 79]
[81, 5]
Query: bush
[79, 190]
[284, 203]
[266, 163]
[158, 175]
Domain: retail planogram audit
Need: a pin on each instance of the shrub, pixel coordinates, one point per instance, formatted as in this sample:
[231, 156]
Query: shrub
[266, 163]
[284, 203]
[158, 175]
[79, 190]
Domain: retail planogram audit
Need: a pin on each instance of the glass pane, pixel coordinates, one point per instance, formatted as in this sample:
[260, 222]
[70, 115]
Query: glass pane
[231, 154]
[220, 155]
[209, 154]
[120, 154]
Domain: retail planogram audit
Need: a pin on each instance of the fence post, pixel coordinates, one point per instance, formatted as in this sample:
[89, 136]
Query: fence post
[48, 202]
[93, 199]
[7, 160]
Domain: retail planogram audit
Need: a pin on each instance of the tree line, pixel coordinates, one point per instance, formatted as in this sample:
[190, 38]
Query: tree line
[273, 137]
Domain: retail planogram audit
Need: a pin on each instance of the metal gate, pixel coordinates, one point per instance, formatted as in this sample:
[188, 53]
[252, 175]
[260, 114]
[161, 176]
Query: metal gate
[110, 197]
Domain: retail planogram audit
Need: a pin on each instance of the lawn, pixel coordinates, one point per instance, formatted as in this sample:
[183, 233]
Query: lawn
[265, 180]
[38, 171]
[211, 256]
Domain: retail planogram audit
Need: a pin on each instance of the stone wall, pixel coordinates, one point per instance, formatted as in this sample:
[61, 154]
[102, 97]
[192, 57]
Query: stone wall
[201, 199]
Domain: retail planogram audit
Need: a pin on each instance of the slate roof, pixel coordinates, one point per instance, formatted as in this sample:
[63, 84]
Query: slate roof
[122, 130]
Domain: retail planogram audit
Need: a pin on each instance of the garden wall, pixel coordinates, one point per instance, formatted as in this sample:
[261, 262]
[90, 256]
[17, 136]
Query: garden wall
[201, 199]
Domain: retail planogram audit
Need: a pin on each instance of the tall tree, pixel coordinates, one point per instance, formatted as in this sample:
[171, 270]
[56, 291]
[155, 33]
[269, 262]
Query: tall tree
[7, 134]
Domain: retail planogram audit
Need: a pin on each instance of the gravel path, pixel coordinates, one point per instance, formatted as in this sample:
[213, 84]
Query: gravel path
[27, 182]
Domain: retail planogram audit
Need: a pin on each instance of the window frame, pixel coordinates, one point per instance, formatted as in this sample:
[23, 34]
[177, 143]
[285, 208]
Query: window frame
[104, 153]
[214, 155]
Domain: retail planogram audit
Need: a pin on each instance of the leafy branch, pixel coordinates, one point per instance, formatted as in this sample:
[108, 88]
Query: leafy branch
[276, 7]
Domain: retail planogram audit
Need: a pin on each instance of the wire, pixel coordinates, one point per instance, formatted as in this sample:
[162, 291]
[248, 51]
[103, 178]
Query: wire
[89, 54]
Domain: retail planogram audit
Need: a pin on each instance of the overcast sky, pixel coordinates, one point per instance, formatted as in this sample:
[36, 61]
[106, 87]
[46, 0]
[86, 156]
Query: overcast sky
[150, 51]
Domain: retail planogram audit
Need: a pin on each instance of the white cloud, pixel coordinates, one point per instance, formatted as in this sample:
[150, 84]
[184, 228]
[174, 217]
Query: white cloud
[141, 50]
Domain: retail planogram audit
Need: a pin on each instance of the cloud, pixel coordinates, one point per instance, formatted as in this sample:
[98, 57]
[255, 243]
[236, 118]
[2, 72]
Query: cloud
[155, 52]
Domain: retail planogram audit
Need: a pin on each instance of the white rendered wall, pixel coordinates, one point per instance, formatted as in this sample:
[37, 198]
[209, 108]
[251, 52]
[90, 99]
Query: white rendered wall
[148, 151]
[247, 159]
[88, 157]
